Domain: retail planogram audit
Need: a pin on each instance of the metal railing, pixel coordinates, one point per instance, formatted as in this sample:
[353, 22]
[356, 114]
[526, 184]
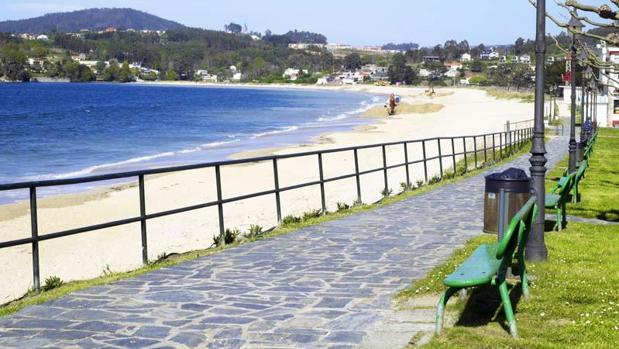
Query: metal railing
[491, 146]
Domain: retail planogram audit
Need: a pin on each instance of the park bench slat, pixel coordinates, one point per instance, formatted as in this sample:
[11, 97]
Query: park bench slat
[479, 269]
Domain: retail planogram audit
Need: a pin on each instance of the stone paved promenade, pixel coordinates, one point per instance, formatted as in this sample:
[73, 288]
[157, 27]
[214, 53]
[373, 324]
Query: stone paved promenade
[325, 286]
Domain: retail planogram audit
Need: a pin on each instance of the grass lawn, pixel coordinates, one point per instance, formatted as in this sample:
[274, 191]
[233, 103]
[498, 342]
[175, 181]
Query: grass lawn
[574, 297]
[600, 189]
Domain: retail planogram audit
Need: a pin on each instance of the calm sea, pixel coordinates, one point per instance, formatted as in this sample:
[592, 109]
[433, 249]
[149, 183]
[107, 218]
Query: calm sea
[69, 130]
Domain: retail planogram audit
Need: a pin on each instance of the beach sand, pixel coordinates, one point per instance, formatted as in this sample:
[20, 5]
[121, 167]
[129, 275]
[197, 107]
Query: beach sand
[87, 255]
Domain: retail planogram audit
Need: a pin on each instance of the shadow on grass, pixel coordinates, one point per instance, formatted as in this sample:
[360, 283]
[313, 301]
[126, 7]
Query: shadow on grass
[609, 215]
[484, 306]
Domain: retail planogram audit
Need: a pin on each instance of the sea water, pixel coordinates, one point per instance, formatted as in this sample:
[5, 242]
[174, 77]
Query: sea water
[51, 131]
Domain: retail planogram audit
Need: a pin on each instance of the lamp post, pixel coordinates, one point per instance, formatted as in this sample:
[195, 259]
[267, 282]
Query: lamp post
[575, 27]
[589, 75]
[536, 247]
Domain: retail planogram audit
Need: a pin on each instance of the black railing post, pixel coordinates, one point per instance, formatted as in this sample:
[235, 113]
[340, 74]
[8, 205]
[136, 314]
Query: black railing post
[440, 157]
[453, 156]
[220, 206]
[143, 219]
[385, 170]
[425, 161]
[501, 145]
[357, 177]
[485, 151]
[475, 149]
[34, 227]
[408, 175]
[493, 147]
[323, 200]
[466, 163]
[278, 204]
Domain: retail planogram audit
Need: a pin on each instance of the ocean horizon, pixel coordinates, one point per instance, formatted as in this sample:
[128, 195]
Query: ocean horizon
[62, 130]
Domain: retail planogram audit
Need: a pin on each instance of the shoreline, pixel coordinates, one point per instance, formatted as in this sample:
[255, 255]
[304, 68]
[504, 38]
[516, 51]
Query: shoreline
[464, 112]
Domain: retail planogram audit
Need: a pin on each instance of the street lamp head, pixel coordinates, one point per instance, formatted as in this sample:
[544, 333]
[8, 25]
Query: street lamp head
[575, 25]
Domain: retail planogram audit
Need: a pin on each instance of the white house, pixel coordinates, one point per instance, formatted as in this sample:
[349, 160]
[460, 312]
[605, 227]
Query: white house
[525, 59]
[237, 77]
[503, 59]
[451, 73]
[322, 81]
[205, 76]
[466, 57]
[424, 73]
[293, 74]
[514, 59]
[43, 37]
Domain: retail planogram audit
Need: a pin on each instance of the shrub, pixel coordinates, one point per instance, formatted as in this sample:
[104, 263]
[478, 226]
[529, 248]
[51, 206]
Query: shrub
[419, 184]
[407, 186]
[254, 231]
[434, 180]
[290, 219]
[51, 283]
[312, 214]
[229, 237]
[342, 206]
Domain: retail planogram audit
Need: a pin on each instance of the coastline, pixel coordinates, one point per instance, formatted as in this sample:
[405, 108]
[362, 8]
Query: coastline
[464, 112]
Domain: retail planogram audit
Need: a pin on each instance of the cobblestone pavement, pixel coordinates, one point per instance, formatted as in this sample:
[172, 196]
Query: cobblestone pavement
[324, 286]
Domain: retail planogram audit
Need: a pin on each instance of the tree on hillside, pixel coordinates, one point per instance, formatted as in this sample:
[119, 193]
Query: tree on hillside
[125, 74]
[111, 72]
[352, 61]
[13, 63]
[399, 71]
[233, 28]
[519, 46]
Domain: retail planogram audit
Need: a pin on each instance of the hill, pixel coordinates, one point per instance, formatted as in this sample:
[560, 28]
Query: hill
[92, 19]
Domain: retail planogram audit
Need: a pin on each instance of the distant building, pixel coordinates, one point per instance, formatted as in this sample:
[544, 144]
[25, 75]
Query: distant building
[515, 59]
[237, 77]
[205, 76]
[503, 59]
[424, 73]
[466, 57]
[111, 30]
[293, 74]
[431, 58]
[43, 37]
[494, 55]
[304, 46]
[525, 59]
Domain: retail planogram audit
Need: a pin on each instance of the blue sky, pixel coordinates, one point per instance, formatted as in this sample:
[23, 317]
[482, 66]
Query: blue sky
[360, 22]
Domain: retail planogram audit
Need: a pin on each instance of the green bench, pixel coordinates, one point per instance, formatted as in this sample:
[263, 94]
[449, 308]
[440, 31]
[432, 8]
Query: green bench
[580, 175]
[488, 266]
[558, 197]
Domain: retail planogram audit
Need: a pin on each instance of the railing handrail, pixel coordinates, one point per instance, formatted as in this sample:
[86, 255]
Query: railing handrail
[160, 170]
[507, 141]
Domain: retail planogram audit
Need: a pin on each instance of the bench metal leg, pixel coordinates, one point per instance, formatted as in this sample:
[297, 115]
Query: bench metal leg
[563, 216]
[575, 194]
[559, 222]
[507, 307]
[524, 280]
[440, 308]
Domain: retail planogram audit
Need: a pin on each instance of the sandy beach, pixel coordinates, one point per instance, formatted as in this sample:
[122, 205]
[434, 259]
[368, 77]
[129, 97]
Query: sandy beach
[461, 112]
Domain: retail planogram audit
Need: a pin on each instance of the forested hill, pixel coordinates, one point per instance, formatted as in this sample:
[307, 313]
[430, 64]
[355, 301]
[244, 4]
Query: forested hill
[92, 19]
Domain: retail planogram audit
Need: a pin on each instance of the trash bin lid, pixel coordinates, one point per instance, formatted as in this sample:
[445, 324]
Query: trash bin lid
[512, 180]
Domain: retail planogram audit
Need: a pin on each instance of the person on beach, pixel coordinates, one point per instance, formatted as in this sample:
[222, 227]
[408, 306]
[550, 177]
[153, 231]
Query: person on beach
[391, 104]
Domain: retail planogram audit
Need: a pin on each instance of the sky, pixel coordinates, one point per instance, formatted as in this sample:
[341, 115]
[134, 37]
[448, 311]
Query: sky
[355, 22]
